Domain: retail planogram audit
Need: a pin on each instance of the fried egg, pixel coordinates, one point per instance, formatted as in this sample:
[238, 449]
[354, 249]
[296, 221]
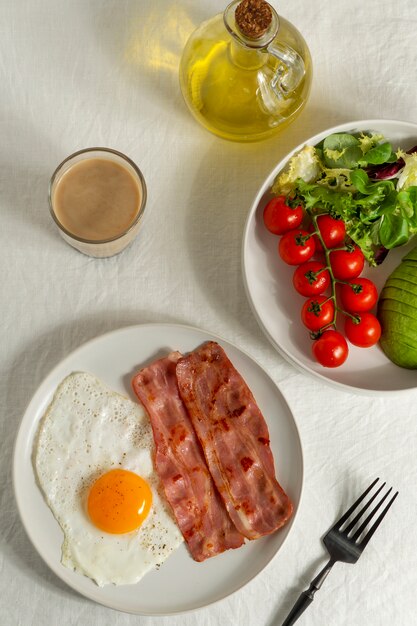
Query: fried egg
[93, 461]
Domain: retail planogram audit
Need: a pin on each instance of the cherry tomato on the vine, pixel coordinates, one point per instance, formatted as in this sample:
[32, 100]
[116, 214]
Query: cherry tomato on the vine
[363, 332]
[279, 217]
[296, 246]
[347, 263]
[311, 278]
[331, 349]
[359, 295]
[332, 231]
[317, 312]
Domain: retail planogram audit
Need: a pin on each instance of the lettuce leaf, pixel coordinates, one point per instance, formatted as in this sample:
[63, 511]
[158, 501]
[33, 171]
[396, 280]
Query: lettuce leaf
[305, 165]
[408, 176]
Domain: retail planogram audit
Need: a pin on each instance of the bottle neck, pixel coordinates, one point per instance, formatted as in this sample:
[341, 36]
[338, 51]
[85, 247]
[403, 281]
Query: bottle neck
[248, 52]
[246, 58]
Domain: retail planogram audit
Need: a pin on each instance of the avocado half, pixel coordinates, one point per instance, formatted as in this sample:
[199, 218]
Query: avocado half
[397, 313]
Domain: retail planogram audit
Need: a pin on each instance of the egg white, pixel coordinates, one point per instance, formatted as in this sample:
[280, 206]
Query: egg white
[86, 431]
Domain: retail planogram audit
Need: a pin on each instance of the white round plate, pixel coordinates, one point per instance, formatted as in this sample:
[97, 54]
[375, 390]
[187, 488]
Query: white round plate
[276, 304]
[180, 584]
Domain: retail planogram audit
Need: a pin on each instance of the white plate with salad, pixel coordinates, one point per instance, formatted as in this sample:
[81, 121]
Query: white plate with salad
[364, 173]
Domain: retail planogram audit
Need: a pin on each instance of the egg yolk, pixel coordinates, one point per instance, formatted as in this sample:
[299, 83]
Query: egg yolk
[119, 501]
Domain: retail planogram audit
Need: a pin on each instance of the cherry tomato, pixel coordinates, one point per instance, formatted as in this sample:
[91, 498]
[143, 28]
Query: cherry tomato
[347, 263]
[279, 217]
[311, 278]
[331, 349]
[296, 246]
[359, 295]
[317, 312]
[365, 332]
[333, 231]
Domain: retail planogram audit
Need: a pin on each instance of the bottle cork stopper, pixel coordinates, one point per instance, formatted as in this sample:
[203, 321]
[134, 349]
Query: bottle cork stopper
[253, 18]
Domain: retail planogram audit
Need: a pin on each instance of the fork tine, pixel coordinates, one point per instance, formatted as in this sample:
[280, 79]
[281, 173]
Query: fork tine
[349, 512]
[362, 511]
[364, 524]
[371, 531]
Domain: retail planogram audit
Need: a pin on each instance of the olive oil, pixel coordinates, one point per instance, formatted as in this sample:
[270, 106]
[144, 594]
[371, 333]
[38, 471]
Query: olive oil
[230, 87]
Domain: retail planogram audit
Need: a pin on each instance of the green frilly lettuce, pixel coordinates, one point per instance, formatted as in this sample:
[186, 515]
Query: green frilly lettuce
[332, 177]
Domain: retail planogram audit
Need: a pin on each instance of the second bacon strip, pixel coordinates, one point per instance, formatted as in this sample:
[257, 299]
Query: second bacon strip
[235, 440]
[180, 463]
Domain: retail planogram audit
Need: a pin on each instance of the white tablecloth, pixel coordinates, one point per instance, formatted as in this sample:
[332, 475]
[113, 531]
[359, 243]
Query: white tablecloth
[76, 74]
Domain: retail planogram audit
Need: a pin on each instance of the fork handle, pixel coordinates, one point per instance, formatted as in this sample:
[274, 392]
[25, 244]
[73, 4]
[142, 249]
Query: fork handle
[307, 597]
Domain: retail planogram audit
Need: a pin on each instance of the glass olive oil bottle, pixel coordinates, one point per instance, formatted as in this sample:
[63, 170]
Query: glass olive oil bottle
[245, 74]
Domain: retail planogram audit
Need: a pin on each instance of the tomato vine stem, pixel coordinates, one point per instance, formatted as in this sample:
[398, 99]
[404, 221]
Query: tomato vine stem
[327, 251]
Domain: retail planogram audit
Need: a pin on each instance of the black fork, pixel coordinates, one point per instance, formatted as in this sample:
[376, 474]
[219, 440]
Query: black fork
[345, 542]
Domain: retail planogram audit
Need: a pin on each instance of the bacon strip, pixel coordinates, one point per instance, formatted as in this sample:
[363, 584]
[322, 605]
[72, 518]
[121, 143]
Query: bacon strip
[180, 463]
[235, 440]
